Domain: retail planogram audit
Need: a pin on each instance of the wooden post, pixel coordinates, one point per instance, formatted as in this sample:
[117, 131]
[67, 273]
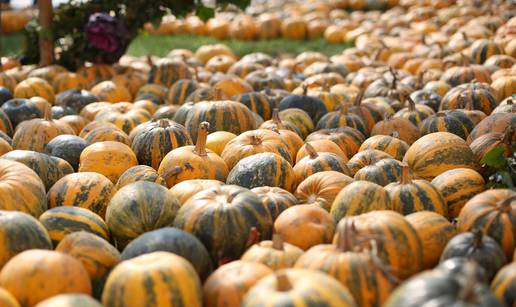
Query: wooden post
[46, 42]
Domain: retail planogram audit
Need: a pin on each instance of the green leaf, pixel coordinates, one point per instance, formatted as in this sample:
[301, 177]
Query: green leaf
[495, 158]
[204, 12]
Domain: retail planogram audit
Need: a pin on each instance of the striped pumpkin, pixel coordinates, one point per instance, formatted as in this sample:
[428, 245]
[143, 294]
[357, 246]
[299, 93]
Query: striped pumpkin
[430, 95]
[8, 81]
[69, 300]
[407, 131]
[503, 284]
[110, 159]
[468, 118]
[32, 87]
[152, 278]
[496, 122]
[180, 90]
[415, 113]
[202, 94]
[90, 110]
[470, 96]
[88, 190]
[253, 142]
[320, 146]
[365, 158]
[369, 113]
[218, 140]
[5, 147]
[388, 144]
[311, 105]
[75, 99]
[6, 298]
[188, 188]
[242, 69]
[111, 92]
[137, 208]
[298, 287]
[457, 186]
[35, 275]
[139, 173]
[173, 240]
[262, 79]
[493, 211]
[76, 122]
[61, 221]
[397, 241]
[226, 219]
[228, 285]
[222, 115]
[5, 123]
[96, 73]
[276, 123]
[105, 132]
[483, 49]
[342, 118]
[126, 120]
[458, 75]
[165, 112]
[36, 133]
[360, 197]
[154, 92]
[382, 172]
[504, 87]
[487, 142]
[131, 80]
[435, 231]
[275, 254]
[443, 122]
[153, 140]
[263, 169]
[96, 254]
[436, 153]
[275, 199]
[347, 138]
[256, 102]
[19, 232]
[360, 271]
[20, 109]
[299, 118]
[318, 162]
[69, 81]
[321, 188]
[167, 71]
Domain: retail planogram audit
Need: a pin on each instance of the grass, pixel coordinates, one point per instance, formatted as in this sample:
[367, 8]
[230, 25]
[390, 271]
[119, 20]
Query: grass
[159, 45]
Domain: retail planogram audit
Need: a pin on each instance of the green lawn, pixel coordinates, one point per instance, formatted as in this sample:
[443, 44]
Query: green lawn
[160, 45]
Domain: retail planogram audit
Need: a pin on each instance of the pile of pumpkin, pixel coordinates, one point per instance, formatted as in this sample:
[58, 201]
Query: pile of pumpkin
[12, 21]
[206, 179]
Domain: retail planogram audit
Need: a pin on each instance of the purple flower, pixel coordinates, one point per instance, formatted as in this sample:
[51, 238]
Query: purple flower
[108, 35]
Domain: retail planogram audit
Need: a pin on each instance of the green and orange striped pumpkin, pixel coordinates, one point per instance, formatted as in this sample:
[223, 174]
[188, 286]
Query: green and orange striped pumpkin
[154, 92]
[322, 188]
[167, 71]
[188, 188]
[256, 102]
[369, 113]
[483, 49]
[318, 162]
[487, 142]
[388, 144]
[5, 123]
[472, 96]
[180, 90]
[299, 118]
[139, 173]
[443, 122]
[275, 254]
[503, 284]
[347, 138]
[381, 172]
[36, 133]
[32, 87]
[416, 113]
[405, 129]
[96, 73]
[342, 118]
[365, 158]
[111, 92]
[105, 132]
[275, 199]
[496, 122]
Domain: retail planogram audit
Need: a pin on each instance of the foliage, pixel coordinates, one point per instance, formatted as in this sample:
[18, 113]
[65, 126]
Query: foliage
[501, 169]
[69, 21]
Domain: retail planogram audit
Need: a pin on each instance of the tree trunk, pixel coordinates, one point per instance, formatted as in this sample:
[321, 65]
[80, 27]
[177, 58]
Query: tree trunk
[46, 42]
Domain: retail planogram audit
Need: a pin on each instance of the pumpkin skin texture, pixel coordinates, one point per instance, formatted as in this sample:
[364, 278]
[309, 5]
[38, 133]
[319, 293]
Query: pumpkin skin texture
[311, 105]
[263, 169]
[365, 158]
[49, 169]
[320, 146]
[406, 130]
[382, 172]
[402, 251]
[444, 122]
[75, 99]
[106, 133]
[275, 199]
[482, 249]
[342, 118]
[256, 102]
[110, 159]
[503, 284]
[140, 207]
[173, 240]
[275, 254]
[180, 90]
[20, 109]
[188, 188]
[470, 96]
[36, 275]
[5, 123]
[457, 186]
[290, 287]
[487, 142]
[153, 140]
[111, 92]
[5, 147]
[217, 140]
[318, 162]
[96, 255]
[436, 153]
[347, 138]
[299, 118]
[494, 211]
[36, 133]
[7, 299]
[388, 144]
[34, 86]
[61, 221]
[193, 162]
[87, 190]
[139, 173]
[21, 189]
[435, 231]
[496, 122]
[321, 188]
[227, 286]
[360, 197]
[160, 279]
[69, 300]
[224, 218]
[313, 222]
[19, 232]
[67, 147]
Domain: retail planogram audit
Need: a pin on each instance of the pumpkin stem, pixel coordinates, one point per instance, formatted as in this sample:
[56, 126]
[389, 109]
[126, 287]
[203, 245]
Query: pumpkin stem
[149, 60]
[282, 282]
[277, 242]
[477, 239]
[358, 98]
[506, 205]
[440, 114]
[311, 151]
[172, 172]
[411, 104]
[305, 89]
[465, 60]
[255, 140]
[48, 114]
[395, 134]
[218, 94]
[276, 118]
[467, 293]
[163, 123]
[344, 108]
[196, 73]
[405, 178]
[202, 134]
[420, 76]
[394, 77]
[379, 263]
[345, 232]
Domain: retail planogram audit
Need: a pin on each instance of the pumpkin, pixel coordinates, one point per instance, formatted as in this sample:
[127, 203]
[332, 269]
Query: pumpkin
[87, 190]
[388, 144]
[5, 123]
[369, 113]
[180, 90]
[20, 109]
[5, 147]
[397, 241]
[188, 188]
[256, 102]
[299, 118]
[298, 287]
[96, 255]
[110, 159]
[96, 73]
[69, 300]
[458, 75]
[487, 142]
[67, 147]
[166, 71]
[365, 158]
[430, 95]
[173, 240]
[125, 118]
[503, 284]
[478, 247]
[482, 49]
[139, 173]
[473, 96]
[494, 212]
[415, 113]
[75, 99]
[228, 285]
[405, 129]
[65, 81]
[32, 87]
[321, 188]
[275, 199]
[111, 92]
[294, 28]
[137, 208]
[352, 268]
[76, 122]
[243, 68]
[217, 141]
[263, 169]
[315, 223]
[504, 87]
[436, 153]
[154, 92]
[496, 122]
[156, 277]
[8, 81]
[231, 86]
[90, 111]
[226, 219]
[342, 118]
[435, 231]
[102, 132]
[7, 299]
[165, 112]
[275, 254]
[347, 138]
[457, 186]
[35, 275]
[382, 172]
[317, 162]
[277, 123]
[61, 221]
[311, 105]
